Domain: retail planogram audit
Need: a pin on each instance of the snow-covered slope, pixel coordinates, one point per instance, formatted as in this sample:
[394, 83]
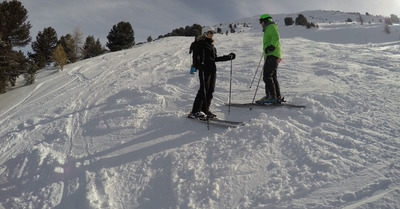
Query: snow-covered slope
[111, 132]
[333, 27]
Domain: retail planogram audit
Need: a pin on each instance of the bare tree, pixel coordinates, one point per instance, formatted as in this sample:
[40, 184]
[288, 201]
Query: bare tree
[361, 19]
[77, 36]
[387, 29]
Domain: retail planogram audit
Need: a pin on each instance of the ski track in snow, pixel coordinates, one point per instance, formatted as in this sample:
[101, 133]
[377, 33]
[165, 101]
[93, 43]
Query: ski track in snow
[110, 132]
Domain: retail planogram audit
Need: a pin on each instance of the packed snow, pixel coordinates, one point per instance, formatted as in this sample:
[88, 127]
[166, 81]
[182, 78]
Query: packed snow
[112, 132]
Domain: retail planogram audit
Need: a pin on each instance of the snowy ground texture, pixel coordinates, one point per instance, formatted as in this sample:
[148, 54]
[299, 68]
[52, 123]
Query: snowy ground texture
[111, 132]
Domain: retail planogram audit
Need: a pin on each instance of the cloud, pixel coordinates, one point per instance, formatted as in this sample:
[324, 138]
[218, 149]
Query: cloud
[158, 17]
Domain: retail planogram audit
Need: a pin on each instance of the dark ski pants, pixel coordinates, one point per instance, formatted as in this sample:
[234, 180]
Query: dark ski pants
[204, 96]
[270, 78]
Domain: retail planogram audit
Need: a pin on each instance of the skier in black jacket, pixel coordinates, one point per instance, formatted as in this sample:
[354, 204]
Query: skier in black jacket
[205, 56]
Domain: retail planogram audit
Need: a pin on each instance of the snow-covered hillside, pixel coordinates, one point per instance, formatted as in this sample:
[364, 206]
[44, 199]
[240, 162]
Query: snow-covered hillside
[112, 132]
[333, 27]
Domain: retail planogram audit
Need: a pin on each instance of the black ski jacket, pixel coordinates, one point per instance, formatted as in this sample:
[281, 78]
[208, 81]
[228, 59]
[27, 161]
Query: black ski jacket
[205, 55]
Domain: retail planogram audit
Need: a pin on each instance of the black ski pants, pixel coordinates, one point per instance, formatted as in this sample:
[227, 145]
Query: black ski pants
[270, 77]
[204, 96]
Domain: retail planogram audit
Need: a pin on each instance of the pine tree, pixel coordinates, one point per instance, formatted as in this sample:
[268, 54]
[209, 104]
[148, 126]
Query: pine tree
[19, 66]
[394, 18]
[289, 21]
[301, 20]
[46, 42]
[92, 48]
[14, 28]
[14, 32]
[31, 71]
[68, 43]
[59, 56]
[194, 30]
[149, 39]
[121, 37]
[11, 66]
[4, 66]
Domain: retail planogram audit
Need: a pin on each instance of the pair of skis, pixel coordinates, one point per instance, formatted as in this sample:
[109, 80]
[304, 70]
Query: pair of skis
[234, 124]
[219, 122]
[251, 105]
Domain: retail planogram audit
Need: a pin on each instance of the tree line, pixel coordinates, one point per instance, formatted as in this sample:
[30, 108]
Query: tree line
[47, 47]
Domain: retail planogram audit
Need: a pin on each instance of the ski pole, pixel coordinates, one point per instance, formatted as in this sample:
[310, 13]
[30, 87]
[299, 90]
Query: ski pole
[254, 98]
[230, 90]
[257, 69]
[205, 97]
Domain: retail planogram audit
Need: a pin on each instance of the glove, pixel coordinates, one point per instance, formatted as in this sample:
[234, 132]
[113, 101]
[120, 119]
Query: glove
[192, 70]
[269, 48]
[232, 56]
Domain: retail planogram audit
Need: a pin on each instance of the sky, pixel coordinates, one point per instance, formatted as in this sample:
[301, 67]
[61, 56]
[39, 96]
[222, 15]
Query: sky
[159, 17]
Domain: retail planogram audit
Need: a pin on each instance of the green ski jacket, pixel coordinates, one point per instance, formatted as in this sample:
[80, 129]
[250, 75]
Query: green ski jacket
[271, 37]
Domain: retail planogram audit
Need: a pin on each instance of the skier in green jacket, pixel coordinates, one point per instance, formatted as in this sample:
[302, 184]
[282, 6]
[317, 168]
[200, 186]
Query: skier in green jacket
[272, 57]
